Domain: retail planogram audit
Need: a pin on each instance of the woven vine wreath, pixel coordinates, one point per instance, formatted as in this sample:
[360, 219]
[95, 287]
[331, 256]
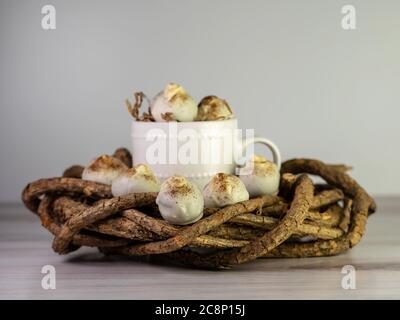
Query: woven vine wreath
[304, 220]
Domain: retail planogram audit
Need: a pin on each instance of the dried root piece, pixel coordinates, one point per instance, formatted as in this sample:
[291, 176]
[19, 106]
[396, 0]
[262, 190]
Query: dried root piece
[329, 247]
[33, 191]
[168, 116]
[331, 217]
[320, 200]
[237, 232]
[319, 229]
[134, 110]
[286, 185]
[344, 223]
[147, 116]
[327, 197]
[362, 204]
[330, 174]
[341, 167]
[276, 210]
[166, 230]
[66, 208]
[77, 240]
[158, 226]
[101, 210]
[255, 221]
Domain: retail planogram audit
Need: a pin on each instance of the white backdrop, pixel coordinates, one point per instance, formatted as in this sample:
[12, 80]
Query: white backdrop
[287, 68]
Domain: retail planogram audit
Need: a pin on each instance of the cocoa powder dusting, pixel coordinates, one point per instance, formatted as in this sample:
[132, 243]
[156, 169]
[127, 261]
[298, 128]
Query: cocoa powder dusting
[106, 162]
[178, 186]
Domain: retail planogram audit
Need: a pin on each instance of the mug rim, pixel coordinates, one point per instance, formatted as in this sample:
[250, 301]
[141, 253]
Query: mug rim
[191, 123]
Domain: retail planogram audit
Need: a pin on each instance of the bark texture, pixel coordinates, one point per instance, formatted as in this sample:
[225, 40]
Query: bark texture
[304, 220]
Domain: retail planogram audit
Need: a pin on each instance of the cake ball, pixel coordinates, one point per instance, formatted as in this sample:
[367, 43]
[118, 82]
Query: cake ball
[224, 189]
[173, 104]
[104, 169]
[134, 180]
[213, 108]
[180, 201]
[260, 176]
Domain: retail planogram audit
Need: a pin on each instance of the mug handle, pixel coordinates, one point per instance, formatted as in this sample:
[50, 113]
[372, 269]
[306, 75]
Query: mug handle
[276, 155]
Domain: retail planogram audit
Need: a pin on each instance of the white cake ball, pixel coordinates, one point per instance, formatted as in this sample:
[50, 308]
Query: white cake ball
[134, 180]
[180, 201]
[224, 189]
[104, 169]
[260, 176]
[173, 104]
[213, 108]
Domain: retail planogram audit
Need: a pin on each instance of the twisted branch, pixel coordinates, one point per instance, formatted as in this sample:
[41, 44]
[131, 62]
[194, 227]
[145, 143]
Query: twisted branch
[84, 213]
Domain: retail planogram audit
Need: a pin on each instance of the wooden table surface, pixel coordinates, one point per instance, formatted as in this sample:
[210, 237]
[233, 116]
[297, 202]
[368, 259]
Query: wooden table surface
[25, 247]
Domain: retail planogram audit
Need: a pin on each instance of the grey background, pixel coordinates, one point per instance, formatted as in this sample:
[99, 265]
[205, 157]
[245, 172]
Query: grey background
[287, 68]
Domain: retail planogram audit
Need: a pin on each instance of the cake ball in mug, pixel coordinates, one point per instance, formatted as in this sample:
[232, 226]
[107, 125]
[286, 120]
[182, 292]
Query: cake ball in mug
[173, 104]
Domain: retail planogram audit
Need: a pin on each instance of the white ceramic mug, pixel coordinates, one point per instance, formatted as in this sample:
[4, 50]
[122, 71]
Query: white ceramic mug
[170, 148]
